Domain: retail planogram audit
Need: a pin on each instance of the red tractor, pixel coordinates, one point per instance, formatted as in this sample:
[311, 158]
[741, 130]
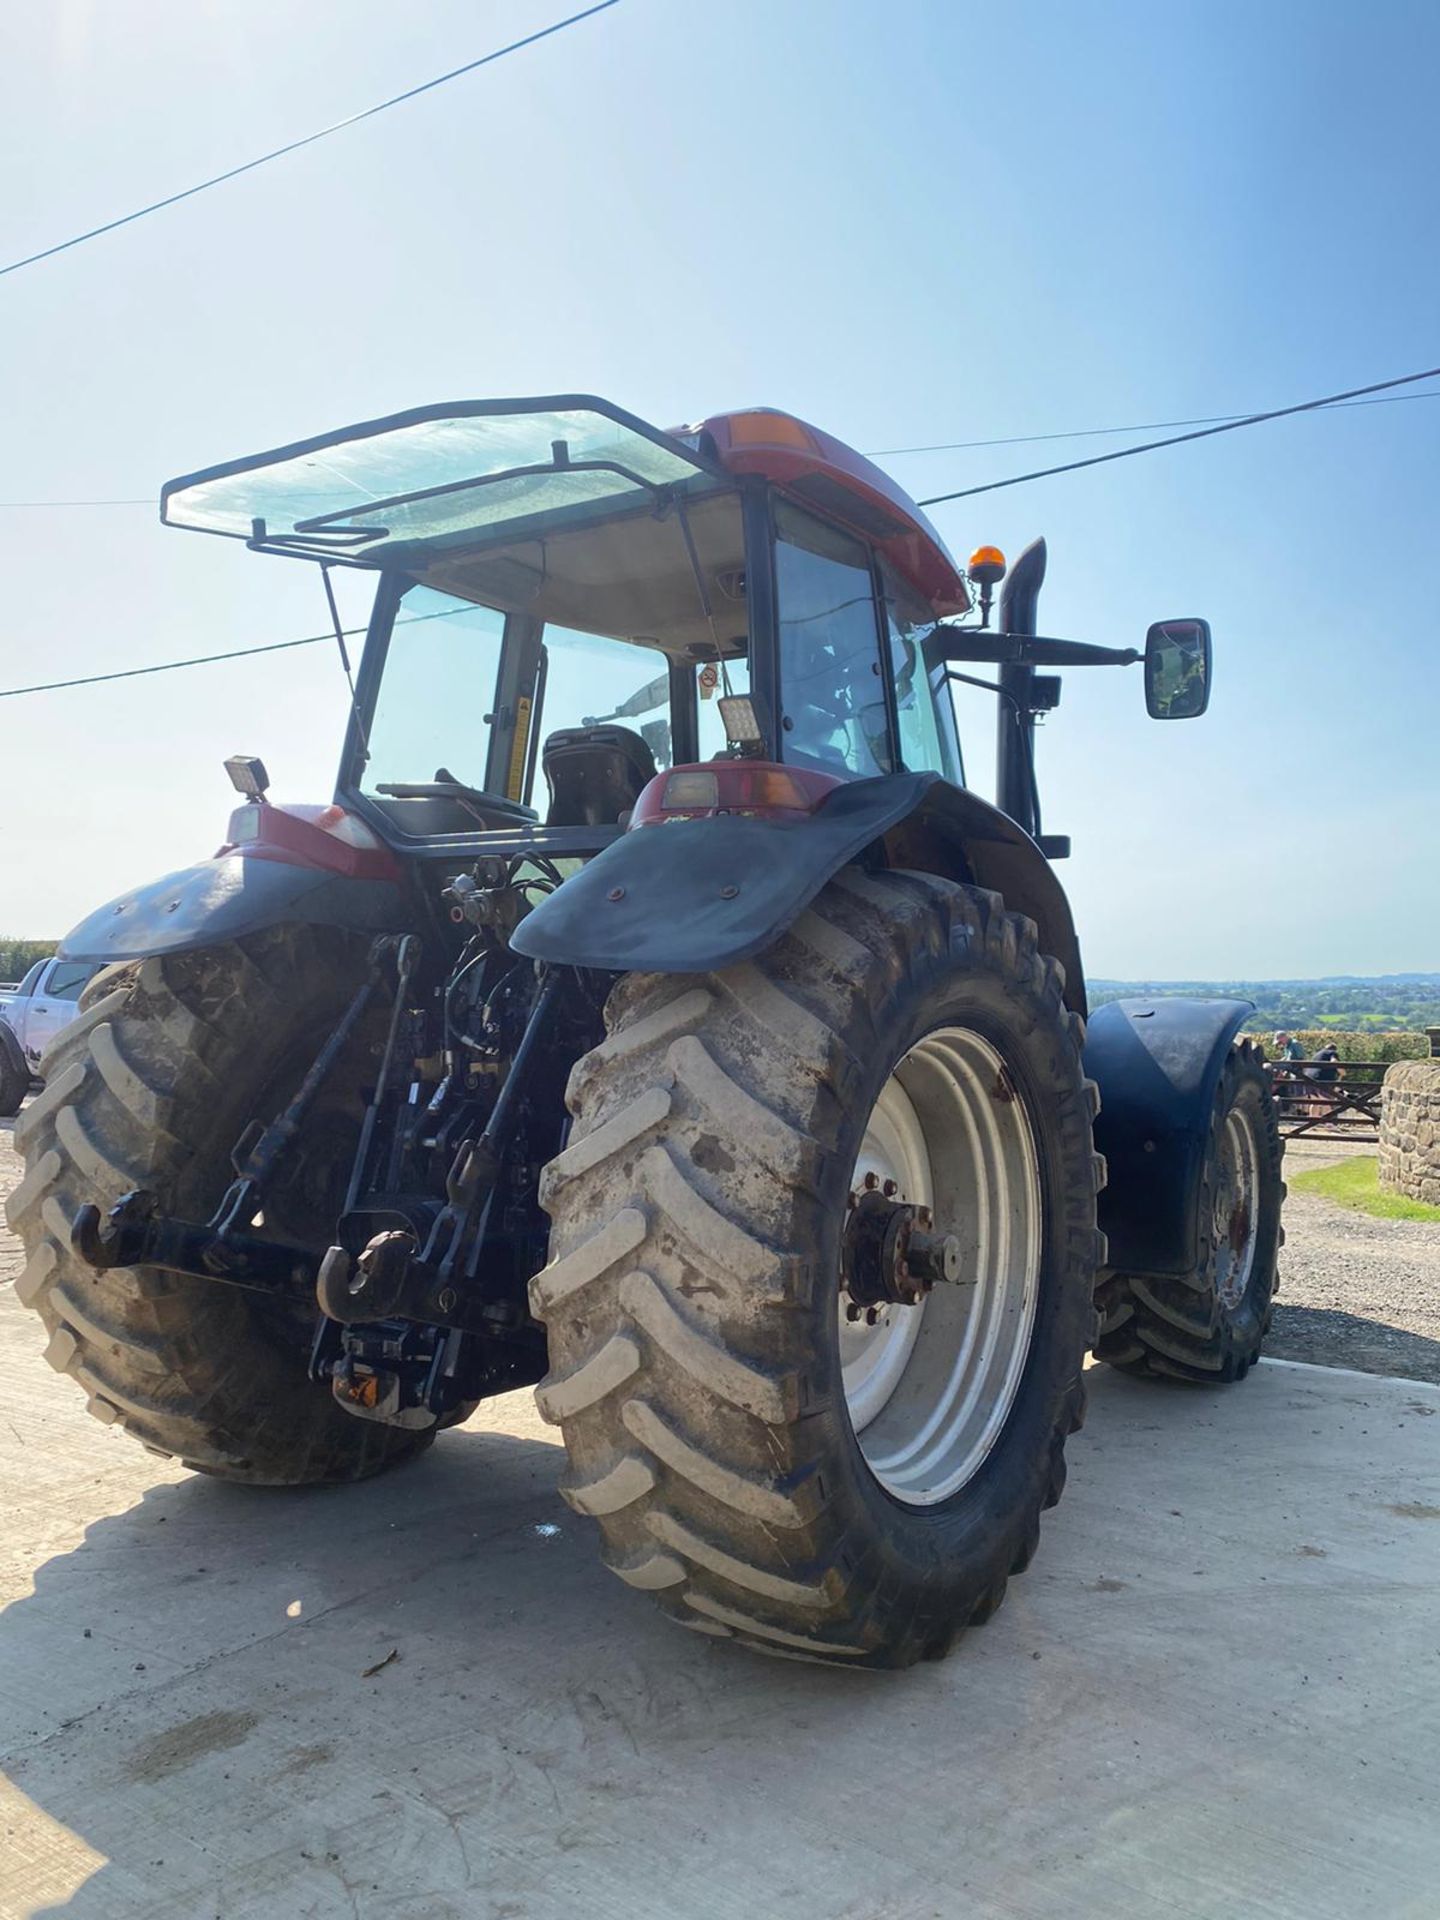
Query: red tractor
[655, 1015]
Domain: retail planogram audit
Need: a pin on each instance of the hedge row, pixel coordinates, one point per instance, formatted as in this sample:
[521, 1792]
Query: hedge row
[1353, 1046]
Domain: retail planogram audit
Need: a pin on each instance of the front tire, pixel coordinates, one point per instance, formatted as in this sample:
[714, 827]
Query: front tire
[151, 1087]
[14, 1074]
[710, 1406]
[1208, 1325]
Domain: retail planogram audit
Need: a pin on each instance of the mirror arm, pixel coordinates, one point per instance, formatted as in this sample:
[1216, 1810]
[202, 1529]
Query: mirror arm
[1013, 649]
[989, 686]
[1079, 653]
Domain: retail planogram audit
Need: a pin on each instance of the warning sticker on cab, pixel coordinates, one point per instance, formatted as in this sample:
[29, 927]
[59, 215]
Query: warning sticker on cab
[515, 783]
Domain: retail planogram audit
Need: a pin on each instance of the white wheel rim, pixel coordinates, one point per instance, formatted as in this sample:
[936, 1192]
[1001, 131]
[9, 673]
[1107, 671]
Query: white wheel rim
[1236, 1226]
[930, 1387]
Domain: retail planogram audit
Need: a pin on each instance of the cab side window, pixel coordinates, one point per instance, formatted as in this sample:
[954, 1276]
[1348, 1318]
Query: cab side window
[928, 740]
[831, 688]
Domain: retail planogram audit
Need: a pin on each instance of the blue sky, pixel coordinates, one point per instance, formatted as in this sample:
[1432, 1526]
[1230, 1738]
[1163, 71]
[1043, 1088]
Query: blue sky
[909, 223]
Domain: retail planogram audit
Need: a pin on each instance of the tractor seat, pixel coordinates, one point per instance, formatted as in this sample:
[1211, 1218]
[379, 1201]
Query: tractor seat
[595, 774]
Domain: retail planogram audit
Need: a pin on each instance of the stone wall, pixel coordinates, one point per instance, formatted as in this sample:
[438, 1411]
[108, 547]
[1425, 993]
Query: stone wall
[1410, 1130]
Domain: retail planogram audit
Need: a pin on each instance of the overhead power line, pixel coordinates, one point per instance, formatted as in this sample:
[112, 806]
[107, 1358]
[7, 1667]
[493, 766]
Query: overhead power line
[237, 653]
[1353, 395]
[309, 139]
[1204, 433]
[1011, 439]
[169, 666]
[939, 446]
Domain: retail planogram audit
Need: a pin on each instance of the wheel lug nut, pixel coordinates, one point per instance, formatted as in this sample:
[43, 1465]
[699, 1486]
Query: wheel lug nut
[852, 1312]
[889, 1189]
[871, 1182]
[872, 1314]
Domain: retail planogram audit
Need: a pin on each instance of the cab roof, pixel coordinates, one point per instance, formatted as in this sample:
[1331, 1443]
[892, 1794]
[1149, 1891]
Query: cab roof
[817, 467]
[385, 491]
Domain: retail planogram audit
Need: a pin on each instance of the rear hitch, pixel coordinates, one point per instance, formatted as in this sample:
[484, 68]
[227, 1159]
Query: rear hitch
[136, 1234]
[393, 1277]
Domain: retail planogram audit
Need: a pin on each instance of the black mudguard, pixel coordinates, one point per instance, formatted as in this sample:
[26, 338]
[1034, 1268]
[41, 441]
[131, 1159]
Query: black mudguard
[221, 899]
[1157, 1064]
[691, 896]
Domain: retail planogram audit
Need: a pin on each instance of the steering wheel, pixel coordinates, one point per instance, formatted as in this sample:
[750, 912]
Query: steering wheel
[478, 801]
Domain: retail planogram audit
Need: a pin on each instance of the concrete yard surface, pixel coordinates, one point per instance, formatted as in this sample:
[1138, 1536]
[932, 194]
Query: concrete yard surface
[1217, 1690]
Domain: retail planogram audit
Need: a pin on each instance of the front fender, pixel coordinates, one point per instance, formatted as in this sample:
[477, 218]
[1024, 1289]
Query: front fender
[221, 899]
[692, 896]
[1157, 1064]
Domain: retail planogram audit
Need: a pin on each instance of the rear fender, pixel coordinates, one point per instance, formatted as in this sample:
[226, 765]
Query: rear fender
[1157, 1064]
[696, 895]
[221, 899]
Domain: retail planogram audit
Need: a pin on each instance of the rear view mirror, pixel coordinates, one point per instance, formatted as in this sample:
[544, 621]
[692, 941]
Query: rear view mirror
[1177, 669]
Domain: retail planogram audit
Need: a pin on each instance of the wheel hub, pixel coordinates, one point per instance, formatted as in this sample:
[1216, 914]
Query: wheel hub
[892, 1251]
[1236, 1225]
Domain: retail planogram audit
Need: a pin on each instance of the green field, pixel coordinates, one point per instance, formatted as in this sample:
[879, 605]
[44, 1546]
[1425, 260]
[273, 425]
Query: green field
[1355, 1183]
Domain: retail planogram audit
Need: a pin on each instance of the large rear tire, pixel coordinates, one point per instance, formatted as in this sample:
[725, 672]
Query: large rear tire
[722, 1424]
[1208, 1325]
[151, 1087]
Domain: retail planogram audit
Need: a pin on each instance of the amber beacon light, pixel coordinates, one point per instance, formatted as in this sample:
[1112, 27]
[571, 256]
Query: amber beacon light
[986, 570]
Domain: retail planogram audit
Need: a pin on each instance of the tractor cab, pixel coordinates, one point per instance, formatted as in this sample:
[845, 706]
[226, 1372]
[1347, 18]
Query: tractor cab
[572, 601]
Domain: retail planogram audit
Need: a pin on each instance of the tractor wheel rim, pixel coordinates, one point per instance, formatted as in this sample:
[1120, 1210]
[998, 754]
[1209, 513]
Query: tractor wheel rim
[1236, 1223]
[929, 1388]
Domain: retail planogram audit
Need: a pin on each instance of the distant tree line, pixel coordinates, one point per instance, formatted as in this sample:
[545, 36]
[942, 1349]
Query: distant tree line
[18, 956]
[1371, 1007]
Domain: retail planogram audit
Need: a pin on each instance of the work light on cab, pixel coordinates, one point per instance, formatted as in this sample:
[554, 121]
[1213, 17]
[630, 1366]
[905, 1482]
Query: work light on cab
[328, 838]
[758, 788]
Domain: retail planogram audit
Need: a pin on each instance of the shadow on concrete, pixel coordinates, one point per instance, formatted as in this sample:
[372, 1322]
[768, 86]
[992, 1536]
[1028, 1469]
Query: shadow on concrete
[1327, 1337]
[202, 1708]
[264, 1676]
[200, 1581]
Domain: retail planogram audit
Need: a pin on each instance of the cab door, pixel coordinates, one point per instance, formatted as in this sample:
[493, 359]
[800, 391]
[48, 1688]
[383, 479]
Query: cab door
[924, 711]
[835, 700]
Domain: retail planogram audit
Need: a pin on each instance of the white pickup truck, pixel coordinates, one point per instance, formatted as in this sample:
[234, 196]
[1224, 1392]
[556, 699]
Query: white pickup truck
[31, 1016]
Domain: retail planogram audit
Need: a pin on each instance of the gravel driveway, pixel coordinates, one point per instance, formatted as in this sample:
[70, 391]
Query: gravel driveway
[1354, 1292]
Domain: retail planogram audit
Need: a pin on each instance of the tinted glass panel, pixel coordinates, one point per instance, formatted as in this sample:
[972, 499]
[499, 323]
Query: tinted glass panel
[830, 685]
[593, 681]
[439, 682]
